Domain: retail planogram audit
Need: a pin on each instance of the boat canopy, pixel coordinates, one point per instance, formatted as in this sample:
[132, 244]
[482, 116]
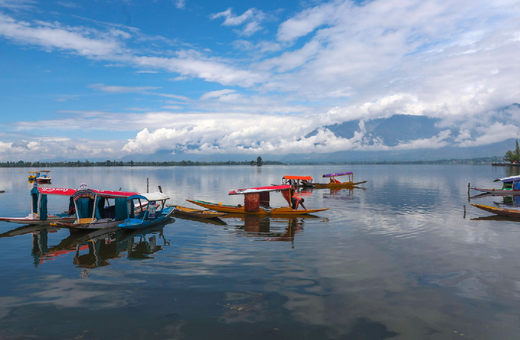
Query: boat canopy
[259, 189]
[508, 179]
[152, 196]
[56, 191]
[303, 178]
[338, 174]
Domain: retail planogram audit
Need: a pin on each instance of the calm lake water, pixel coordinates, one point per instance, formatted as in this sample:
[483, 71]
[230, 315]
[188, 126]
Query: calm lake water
[397, 259]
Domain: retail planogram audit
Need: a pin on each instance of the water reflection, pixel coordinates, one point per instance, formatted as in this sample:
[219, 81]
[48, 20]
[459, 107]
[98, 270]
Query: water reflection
[94, 248]
[269, 228]
[342, 194]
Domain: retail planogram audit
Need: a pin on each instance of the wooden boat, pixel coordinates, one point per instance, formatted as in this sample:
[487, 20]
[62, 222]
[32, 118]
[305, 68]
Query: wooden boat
[498, 211]
[256, 201]
[43, 176]
[197, 212]
[32, 176]
[155, 212]
[298, 181]
[93, 209]
[335, 184]
[39, 207]
[510, 186]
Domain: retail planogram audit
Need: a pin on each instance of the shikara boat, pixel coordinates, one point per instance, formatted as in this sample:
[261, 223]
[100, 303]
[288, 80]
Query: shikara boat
[154, 212]
[98, 209]
[39, 210]
[197, 212]
[335, 184]
[510, 186]
[256, 201]
[43, 176]
[498, 211]
[298, 181]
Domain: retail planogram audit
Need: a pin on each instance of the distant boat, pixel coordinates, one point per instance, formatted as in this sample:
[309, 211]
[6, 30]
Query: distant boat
[335, 184]
[154, 212]
[43, 176]
[256, 201]
[298, 181]
[510, 186]
[32, 176]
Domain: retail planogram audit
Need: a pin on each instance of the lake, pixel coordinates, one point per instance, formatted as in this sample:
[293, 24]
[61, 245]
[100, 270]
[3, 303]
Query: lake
[402, 257]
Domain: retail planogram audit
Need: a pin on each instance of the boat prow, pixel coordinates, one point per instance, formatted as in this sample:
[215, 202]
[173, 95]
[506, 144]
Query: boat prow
[498, 211]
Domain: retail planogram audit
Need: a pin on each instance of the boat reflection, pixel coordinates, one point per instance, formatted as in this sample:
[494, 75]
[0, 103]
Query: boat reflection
[269, 228]
[215, 221]
[95, 248]
[342, 194]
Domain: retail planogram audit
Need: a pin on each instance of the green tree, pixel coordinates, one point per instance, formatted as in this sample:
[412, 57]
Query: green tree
[517, 152]
[509, 156]
[259, 161]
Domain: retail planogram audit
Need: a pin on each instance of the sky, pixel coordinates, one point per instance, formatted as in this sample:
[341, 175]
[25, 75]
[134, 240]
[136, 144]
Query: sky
[105, 79]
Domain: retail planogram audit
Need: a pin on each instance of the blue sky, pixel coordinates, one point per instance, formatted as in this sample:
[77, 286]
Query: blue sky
[107, 79]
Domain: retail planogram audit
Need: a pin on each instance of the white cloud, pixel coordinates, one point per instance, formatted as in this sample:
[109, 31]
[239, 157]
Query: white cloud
[495, 133]
[181, 4]
[216, 94]
[307, 21]
[251, 20]
[122, 89]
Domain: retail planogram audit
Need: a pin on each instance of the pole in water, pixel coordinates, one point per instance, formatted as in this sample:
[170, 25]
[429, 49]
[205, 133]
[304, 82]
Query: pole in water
[464, 211]
[147, 185]
[160, 189]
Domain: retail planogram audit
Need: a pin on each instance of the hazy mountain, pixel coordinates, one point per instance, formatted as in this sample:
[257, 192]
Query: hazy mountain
[389, 132]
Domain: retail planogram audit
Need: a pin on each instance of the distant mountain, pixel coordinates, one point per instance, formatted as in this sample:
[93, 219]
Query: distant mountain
[391, 131]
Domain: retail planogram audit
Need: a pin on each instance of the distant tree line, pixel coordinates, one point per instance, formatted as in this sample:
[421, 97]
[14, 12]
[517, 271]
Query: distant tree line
[513, 155]
[22, 164]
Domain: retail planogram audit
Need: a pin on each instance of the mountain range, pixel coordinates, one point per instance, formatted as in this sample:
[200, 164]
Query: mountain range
[386, 136]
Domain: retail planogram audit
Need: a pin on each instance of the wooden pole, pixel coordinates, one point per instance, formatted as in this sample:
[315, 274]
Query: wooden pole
[160, 189]
[464, 211]
[147, 185]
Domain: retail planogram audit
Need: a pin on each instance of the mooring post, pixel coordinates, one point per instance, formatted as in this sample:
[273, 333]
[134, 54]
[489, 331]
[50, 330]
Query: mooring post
[464, 211]
[147, 185]
[160, 189]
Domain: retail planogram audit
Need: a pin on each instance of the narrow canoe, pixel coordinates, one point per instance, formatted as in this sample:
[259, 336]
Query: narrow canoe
[197, 212]
[337, 185]
[235, 209]
[498, 211]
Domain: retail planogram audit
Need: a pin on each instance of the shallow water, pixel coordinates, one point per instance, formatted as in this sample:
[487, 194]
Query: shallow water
[395, 259]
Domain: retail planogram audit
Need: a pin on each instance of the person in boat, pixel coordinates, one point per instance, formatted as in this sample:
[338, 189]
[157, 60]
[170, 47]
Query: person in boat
[296, 201]
[333, 180]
